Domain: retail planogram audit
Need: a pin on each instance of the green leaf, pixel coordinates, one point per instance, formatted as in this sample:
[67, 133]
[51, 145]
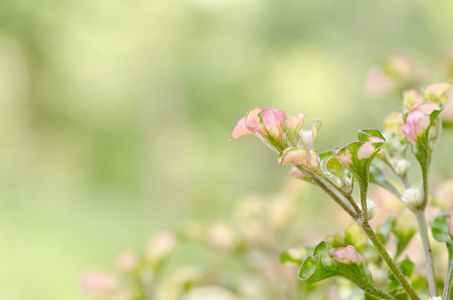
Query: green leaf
[383, 231]
[406, 267]
[439, 228]
[399, 294]
[357, 156]
[325, 262]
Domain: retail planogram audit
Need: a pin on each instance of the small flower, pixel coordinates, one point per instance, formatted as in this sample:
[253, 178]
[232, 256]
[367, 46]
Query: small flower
[347, 255]
[127, 261]
[377, 83]
[401, 167]
[371, 208]
[293, 126]
[412, 198]
[416, 125]
[161, 245]
[267, 124]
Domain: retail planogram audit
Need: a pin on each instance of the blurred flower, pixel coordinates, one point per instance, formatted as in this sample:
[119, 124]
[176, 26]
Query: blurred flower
[98, 282]
[160, 246]
[127, 261]
[221, 236]
[377, 83]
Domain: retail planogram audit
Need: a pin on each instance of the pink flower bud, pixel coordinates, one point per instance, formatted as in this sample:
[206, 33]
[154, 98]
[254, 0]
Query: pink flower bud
[377, 83]
[416, 125]
[347, 255]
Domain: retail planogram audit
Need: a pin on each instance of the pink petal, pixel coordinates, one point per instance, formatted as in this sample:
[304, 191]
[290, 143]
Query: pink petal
[295, 123]
[301, 157]
[274, 122]
[252, 120]
[416, 124]
[240, 129]
[437, 89]
[427, 107]
[347, 255]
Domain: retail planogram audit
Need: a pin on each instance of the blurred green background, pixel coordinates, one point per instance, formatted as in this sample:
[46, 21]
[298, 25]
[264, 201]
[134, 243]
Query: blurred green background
[115, 115]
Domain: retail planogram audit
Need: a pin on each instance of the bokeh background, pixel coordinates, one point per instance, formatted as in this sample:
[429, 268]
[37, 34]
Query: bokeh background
[115, 115]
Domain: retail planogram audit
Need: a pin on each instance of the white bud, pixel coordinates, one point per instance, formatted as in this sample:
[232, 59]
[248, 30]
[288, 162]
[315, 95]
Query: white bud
[371, 208]
[435, 298]
[412, 198]
[402, 166]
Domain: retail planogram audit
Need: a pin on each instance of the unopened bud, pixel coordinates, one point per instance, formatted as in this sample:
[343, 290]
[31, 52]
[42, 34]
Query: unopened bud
[371, 208]
[435, 298]
[401, 167]
[412, 198]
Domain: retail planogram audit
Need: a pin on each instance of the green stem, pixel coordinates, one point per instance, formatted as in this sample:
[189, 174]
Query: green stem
[346, 195]
[427, 251]
[329, 191]
[420, 213]
[448, 281]
[392, 265]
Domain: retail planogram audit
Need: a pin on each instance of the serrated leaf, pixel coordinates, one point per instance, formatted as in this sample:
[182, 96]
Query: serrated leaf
[357, 156]
[325, 262]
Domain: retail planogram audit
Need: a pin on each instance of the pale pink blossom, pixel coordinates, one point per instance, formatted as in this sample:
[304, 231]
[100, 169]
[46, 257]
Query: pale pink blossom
[267, 124]
[98, 282]
[347, 255]
[437, 91]
[377, 83]
[416, 125]
[127, 261]
[161, 245]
